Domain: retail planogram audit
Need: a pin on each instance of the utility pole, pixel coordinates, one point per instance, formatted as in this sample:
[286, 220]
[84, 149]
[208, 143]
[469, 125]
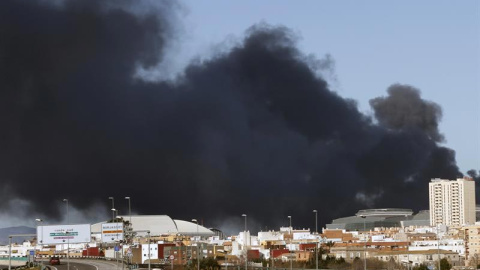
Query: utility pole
[245, 243]
[68, 238]
[365, 246]
[316, 239]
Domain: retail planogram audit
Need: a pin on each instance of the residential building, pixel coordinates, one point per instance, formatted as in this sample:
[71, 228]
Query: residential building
[454, 245]
[472, 243]
[416, 258]
[452, 203]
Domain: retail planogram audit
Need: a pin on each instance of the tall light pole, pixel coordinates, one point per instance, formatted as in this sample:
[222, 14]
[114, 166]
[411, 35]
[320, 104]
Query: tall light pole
[291, 236]
[66, 201]
[365, 246]
[68, 239]
[438, 246]
[114, 214]
[245, 242]
[129, 210]
[198, 251]
[149, 264]
[316, 242]
[408, 256]
[39, 220]
[113, 207]
[9, 252]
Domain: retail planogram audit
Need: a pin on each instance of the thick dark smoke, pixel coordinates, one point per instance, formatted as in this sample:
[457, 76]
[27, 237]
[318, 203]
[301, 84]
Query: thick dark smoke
[254, 130]
[404, 109]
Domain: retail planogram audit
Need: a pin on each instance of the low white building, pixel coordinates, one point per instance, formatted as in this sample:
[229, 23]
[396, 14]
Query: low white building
[304, 234]
[71, 248]
[416, 258]
[455, 245]
[17, 250]
[270, 236]
[251, 239]
[153, 252]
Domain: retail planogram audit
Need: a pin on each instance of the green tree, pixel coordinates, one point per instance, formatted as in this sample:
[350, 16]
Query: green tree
[357, 264]
[420, 267]
[209, 264]
[339, 263]
[444, 264]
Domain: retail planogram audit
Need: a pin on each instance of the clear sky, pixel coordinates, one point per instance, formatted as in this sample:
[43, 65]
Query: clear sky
[432, 45]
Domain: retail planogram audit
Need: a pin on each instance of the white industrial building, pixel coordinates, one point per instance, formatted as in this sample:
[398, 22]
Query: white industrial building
[452, 203]
[160, 225]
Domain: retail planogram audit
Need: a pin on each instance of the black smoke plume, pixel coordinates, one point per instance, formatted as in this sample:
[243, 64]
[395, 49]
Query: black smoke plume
[404, 109]
[253, 130]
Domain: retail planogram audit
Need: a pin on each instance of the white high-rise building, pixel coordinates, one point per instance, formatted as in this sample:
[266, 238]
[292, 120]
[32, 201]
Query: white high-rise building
[452, 203]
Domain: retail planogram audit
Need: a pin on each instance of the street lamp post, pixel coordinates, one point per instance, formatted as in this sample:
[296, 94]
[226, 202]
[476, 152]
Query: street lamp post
[113, 207]
[9, 253]
[149, 265]
[316, 242]
[68, 239]
[39, 220]
[113, 214]
[291, 237]
[365, 245]
[408, 259]
[129, 209]
[245, 242]
[198, 250]
[438, 247]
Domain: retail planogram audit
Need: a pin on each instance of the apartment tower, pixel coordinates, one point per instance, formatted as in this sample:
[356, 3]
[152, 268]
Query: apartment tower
[452, 203]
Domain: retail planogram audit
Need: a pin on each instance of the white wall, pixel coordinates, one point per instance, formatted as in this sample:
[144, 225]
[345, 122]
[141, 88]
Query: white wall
[153, 252]
[269, 236]
[455, 245]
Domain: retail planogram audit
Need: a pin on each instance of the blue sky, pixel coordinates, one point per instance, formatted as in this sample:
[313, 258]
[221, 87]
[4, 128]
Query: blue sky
[432, 45]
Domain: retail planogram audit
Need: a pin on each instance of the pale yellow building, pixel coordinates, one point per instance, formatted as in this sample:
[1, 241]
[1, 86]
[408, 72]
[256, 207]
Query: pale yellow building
[452, 202]
[472, 243]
